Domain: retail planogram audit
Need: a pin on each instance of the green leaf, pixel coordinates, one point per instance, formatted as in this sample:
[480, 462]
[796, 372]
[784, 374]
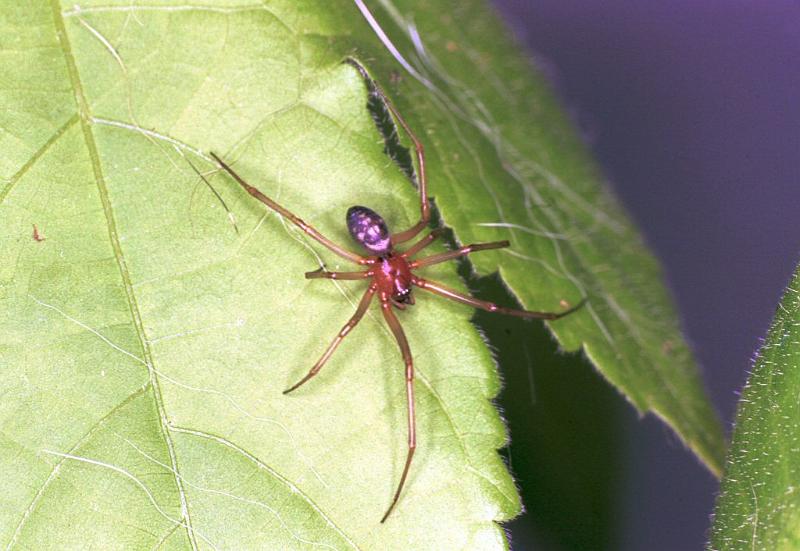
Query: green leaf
[570, 238]
[758, 505]
[144, 343]
[505, 164]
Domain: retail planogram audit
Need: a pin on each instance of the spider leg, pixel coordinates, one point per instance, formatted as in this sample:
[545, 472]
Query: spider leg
[310, 230]
[463, 251]
[439, 289]
[394, 325]
[422, 243]
[324, 274]
[362, 308]
[419, 150]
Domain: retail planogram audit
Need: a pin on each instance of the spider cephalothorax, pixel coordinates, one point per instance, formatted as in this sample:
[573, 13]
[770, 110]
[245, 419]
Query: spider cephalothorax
[392, 275]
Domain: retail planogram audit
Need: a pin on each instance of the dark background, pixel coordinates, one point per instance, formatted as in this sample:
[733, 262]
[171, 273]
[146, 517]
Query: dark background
[691, 108]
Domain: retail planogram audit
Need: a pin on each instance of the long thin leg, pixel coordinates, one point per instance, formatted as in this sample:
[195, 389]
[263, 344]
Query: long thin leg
[439, 289]
[394, 325]
[310, 230]
[422, 243]
[362, 307]
[323, 274]
[443, 257]
[425, 209]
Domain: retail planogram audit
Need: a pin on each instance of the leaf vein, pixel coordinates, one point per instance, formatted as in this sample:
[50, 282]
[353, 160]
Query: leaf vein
[36, 156]
[94, 155]
[57, 468]
[288, 483]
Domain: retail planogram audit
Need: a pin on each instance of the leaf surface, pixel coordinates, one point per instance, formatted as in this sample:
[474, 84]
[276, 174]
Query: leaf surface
[507, 165]
[758, 505]
[145, 343]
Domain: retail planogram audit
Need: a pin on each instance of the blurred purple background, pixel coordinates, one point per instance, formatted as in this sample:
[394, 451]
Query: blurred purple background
[692, 109]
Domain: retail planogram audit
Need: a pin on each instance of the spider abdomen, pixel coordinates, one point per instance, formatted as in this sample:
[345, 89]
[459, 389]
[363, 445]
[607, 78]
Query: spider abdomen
[369, 229]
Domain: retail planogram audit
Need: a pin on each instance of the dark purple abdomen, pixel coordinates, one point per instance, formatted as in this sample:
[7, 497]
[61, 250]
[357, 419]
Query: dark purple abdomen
[368, 228]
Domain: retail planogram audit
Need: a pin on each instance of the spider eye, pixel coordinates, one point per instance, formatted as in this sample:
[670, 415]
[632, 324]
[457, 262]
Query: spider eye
[369, 229]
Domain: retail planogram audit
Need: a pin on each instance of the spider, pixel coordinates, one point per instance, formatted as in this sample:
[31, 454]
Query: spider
[391, 274]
